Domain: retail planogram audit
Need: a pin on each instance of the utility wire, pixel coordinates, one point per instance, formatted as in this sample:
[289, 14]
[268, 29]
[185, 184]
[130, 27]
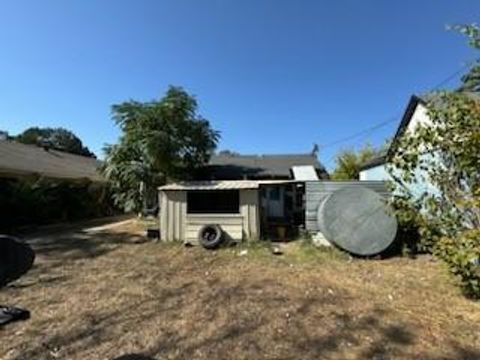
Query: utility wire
[360, 133]
[368, 131]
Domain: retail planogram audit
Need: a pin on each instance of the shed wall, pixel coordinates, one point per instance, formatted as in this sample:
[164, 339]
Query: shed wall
[173, 211]
[177, 225]
[315, 192]
[249, 209]
[231, 224]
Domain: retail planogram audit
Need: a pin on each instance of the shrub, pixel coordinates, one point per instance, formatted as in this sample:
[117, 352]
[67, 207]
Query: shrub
[443, 158]
[462, 254]
[37, 201]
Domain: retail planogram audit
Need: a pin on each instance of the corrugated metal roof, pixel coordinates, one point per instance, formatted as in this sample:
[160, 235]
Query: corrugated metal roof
[212, 185]
[18, 159]
[222, 184]
[304, 173]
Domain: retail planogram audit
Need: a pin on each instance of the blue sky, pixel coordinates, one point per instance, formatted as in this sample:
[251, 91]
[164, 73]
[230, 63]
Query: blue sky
[273, 76]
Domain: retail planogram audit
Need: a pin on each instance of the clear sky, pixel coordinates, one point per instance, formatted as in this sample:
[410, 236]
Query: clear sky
[273, 76]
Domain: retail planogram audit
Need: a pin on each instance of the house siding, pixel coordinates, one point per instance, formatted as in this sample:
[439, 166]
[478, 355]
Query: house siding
[376, 173]
[421, 183]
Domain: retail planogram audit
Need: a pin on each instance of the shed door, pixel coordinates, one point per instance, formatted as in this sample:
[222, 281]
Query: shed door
[275, 201]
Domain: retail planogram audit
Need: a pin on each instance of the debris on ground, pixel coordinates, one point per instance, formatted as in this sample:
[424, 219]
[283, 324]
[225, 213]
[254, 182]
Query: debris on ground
[9, 314]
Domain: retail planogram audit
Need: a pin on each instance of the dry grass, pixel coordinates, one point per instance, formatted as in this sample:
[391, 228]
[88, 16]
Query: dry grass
[107, 294]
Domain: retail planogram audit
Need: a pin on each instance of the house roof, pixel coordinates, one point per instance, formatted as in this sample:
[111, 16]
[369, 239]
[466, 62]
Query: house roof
[18, 159]
[402, 127]
[234, 166]
[432, 99]
[406, 118]
[414, 101]
[221, 185]
[378, 160]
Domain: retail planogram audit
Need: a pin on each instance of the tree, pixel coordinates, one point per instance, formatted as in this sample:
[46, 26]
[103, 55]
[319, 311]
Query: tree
[445, 154]
[161, 140]
[349, 161]
[56, 138]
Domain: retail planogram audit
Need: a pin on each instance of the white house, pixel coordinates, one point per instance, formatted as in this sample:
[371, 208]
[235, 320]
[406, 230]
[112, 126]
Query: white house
[415, 114]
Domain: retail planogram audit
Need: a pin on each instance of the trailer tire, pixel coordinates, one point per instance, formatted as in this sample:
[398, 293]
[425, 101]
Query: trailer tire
[210, 236]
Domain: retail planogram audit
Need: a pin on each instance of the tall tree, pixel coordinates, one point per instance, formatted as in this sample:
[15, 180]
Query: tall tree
[161, 140]
[349, 161]
[56, 138]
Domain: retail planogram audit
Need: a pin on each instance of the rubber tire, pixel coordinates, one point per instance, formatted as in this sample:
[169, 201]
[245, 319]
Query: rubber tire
[207, 240]
[16, 258]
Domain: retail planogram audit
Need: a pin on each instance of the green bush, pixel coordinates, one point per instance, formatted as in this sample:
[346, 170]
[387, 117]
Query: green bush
[462, 254]
[40, 201]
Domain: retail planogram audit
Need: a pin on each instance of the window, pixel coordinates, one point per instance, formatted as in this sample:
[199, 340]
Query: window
[213, 202]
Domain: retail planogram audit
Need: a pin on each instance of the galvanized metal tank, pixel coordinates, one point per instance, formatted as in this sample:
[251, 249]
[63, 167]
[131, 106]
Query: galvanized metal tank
[357, 220]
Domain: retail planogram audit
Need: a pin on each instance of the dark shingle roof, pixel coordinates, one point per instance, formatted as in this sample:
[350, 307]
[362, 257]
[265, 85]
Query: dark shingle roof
[378, 160]
[18, 159]
[234, 166]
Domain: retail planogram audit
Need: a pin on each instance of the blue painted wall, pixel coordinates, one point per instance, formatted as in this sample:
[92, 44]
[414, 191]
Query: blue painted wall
[419, 187]
[378, 172]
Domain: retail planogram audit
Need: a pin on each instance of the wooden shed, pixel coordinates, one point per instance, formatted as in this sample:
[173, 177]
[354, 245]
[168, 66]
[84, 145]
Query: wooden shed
[186, 207]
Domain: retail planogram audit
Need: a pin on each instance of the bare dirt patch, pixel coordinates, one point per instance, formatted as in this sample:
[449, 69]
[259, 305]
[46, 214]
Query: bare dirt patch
[110, 293]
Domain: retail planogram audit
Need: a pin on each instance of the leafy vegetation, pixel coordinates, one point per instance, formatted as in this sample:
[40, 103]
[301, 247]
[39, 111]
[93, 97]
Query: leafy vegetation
[39, 201]
[161, 140]
[445, 154]
[56, 138]
[349, 161]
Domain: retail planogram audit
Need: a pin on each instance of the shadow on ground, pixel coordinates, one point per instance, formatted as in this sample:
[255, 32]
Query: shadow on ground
[64, 250]
[84, 244]
[215, 319]
[133, 357]
[191, 304]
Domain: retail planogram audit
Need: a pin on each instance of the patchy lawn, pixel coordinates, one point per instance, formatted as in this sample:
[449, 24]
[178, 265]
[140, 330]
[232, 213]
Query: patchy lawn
[107, 293]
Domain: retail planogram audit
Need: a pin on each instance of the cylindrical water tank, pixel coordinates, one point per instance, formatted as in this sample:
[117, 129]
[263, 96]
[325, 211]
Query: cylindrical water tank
[357, 220]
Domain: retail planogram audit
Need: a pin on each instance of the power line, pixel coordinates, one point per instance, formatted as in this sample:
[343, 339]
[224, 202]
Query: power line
[452, 76]
[368, 131]
[360, 133]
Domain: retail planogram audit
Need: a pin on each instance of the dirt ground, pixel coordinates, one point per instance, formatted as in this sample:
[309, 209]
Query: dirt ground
[109, 293]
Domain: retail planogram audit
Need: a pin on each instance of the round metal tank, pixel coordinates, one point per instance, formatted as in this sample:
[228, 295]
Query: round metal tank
[357, 220]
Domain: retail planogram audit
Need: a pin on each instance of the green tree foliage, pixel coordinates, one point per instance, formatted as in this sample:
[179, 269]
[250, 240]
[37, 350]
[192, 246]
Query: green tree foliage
[56, 138]
[161, 140]
[446, 155]
[38, 201]
[349, 161]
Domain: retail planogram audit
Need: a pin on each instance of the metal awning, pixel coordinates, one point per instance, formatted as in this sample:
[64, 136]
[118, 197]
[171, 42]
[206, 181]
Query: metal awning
[304, 173]
[221, 185]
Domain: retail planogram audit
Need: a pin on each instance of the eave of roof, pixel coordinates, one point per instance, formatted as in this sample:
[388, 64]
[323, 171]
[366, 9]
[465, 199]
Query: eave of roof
[222, 185]
[406, 118]
[377, 161]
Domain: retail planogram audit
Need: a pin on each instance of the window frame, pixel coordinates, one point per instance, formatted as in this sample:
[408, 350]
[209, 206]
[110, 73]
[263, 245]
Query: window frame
[211, 197]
